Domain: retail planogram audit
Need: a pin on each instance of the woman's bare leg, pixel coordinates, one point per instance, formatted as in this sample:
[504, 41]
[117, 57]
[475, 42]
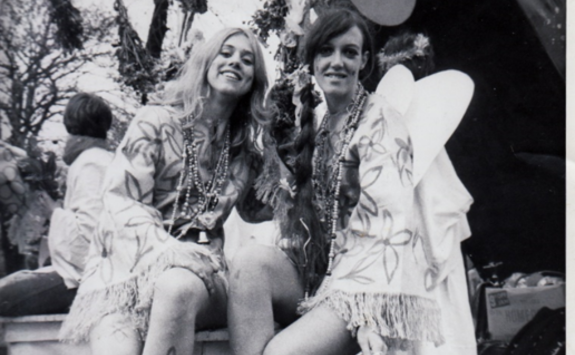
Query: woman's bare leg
[181, 301]
[264, 286]
[114, 334]
[319, 332]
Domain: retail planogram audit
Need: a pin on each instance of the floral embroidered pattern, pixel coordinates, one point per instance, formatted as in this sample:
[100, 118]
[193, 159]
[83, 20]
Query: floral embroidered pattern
[141, 190]
[382, 157]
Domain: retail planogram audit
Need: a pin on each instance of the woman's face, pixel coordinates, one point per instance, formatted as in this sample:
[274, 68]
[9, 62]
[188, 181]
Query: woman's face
[232, 70]
[338, 62]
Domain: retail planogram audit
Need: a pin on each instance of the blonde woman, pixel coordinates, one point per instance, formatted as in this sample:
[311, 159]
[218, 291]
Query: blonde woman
[155, 271]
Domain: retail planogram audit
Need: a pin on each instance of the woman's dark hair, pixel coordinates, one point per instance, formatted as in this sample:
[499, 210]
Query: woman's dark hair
[332, 23]
[303, 222]
[87, 115]
[244, 131]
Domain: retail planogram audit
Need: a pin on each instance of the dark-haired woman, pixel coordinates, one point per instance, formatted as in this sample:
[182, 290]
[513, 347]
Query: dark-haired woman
[350, 258]
[156, 268]
[51, 289]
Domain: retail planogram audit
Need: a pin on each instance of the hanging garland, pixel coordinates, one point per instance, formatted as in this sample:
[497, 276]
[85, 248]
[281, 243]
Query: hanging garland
[287, 19]
[190, 8]
[136, 66]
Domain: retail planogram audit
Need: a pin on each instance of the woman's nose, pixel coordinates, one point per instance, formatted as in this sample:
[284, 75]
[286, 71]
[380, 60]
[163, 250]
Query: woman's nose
[337, 60]
[234, 61]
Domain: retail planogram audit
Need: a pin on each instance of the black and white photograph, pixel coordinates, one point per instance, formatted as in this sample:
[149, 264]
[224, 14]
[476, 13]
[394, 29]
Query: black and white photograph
[284, 177]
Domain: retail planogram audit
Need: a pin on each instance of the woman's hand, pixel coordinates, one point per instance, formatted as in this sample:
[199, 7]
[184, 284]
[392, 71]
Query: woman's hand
[370, 342]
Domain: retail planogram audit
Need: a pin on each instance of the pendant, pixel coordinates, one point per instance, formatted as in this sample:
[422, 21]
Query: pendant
[203, 239]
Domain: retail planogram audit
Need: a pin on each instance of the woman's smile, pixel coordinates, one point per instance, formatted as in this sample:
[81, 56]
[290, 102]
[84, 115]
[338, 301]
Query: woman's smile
[231, 74]
[232, 71]
[337, 65]
[335, 75]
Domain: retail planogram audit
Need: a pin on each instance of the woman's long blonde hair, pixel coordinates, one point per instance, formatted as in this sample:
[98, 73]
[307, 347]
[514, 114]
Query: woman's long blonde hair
[191, 88]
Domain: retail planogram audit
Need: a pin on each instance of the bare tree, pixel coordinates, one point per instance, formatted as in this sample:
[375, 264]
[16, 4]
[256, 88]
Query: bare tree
[41, 57]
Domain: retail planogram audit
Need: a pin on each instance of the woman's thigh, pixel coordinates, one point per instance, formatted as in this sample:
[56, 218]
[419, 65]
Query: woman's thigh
[265, 271]
[180, 295]
[318, 332]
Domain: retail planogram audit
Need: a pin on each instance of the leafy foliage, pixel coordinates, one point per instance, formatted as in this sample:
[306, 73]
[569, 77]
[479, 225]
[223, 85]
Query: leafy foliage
[69, 24]
[30, 222]
[281, 99]
[40, 174]
[270, 19]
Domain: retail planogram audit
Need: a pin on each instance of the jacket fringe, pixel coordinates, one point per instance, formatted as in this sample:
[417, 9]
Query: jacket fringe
[133, 298]
[404, 321]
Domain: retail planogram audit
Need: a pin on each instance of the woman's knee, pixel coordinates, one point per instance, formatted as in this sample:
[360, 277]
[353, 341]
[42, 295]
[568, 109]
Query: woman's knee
[114, 333]
[253, 261]
[180, 286]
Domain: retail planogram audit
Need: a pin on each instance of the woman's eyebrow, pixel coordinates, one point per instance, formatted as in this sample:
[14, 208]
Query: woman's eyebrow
[243, 52]
[351, 45]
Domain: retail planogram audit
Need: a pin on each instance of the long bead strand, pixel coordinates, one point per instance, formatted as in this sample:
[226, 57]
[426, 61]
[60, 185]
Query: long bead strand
[335, 184]
[208, 193]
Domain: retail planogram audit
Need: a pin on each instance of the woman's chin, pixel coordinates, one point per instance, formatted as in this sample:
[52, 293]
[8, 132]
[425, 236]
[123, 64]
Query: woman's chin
[230, 91]
[337, 91]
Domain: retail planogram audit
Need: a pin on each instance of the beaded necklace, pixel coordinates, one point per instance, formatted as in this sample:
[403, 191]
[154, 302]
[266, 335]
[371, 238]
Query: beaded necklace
[326, 193]
[209, 191]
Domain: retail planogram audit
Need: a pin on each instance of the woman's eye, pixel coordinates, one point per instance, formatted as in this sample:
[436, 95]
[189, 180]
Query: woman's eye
[350, 53]
[325, 51]
[248, 60]
[226, 54]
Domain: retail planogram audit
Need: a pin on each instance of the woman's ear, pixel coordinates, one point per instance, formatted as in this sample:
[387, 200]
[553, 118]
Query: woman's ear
[364, 59]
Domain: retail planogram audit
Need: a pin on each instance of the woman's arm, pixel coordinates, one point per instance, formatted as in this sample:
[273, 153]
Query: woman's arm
[129, 185]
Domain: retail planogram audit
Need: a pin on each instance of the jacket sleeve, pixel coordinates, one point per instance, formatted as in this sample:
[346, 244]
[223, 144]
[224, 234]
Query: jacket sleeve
[129, 185]
[134, 225]
[383, 213]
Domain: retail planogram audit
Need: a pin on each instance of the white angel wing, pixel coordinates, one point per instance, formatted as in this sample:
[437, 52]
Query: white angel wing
[398, 87]
[437, 107]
